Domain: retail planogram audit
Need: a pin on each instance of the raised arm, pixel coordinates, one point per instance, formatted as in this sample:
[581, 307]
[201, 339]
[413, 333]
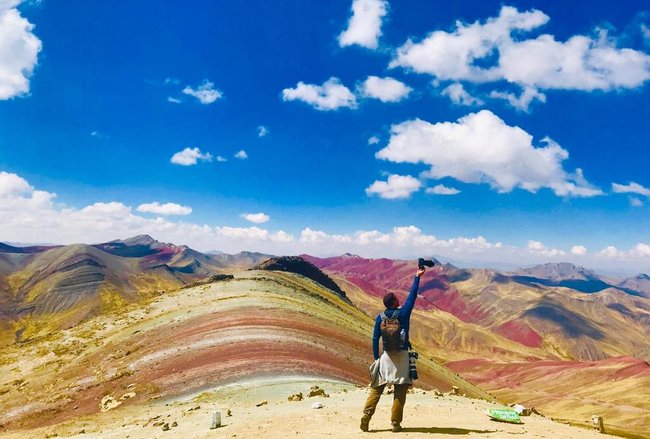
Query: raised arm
[375, 338]
[413, 294]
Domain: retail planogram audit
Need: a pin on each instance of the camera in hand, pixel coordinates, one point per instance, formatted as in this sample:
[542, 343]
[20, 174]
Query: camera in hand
[425, 263]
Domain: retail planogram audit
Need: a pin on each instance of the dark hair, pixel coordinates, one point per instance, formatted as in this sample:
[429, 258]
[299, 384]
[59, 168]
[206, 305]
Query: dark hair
[389, 298]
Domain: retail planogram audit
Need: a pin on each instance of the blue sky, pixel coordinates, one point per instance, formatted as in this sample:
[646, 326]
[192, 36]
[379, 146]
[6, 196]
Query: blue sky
[110, 92]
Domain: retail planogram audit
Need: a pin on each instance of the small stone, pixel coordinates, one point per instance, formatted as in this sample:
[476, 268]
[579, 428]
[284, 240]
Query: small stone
[228, 413]
[316, 391]
[437, 392]
[317, 405]
[261, 403]
[128, 395]
[174, 424]
[296, 397]
[108, 403]
[165, 427]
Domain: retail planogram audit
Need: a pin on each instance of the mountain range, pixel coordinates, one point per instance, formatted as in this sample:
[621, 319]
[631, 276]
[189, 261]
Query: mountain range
[147, 310]
[44, 288]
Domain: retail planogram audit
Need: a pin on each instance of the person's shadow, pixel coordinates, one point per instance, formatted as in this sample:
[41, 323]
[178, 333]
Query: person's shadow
[438, 430]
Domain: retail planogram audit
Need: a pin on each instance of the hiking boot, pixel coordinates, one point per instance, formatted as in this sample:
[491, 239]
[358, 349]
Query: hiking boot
[365, 422]
[396, 427]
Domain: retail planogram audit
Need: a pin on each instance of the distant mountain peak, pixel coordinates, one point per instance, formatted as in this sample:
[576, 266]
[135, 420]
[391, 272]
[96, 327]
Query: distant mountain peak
[146, 240]
[559, 271]
[351, 255]
[299, 265]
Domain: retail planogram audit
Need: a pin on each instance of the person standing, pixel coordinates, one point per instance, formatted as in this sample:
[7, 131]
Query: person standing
[392, 367]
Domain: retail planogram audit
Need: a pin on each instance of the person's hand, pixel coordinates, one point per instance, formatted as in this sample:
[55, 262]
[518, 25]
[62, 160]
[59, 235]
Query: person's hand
[421, 271]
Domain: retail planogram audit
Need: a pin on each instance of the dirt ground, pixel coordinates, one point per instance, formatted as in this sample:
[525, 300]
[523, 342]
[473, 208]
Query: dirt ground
[444, 416]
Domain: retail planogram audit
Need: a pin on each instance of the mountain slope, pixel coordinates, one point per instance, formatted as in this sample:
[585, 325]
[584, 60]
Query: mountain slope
[525, 341]
[548, 322]
[258, 326]
[46, 288]
[639, 283]
[298, 265]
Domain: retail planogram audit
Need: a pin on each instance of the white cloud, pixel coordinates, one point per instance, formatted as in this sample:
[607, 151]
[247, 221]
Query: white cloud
[640, 251]
[30, 215]
[364, 27]
[221, 158]
[205, 92]
[397, 186]
[373, 140]
[190, 156]
[262, 131]
[452, 55]
[329, 96]
[257, 218]
[483, 52]
[522, 102]
[537, 247]
[19, 49]
[252, 234]
[579, 250]
[441, 189]
[632, 188]
[12, 185]
[610, 252]
[458, 95]
[635, 202]
[385, 89]
[173, 100]
[403, 237]
[241, 155]
[482, 148]
[164, 209]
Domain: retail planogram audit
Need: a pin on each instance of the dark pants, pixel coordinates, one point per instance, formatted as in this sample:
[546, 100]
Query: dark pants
[399, 400]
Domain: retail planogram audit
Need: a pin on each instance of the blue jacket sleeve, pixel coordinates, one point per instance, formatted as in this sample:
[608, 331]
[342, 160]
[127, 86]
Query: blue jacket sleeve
[410, 300]
[375, 338]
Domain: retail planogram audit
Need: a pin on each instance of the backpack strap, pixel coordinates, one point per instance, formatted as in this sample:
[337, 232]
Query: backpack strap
[395, 314]
[383, 315]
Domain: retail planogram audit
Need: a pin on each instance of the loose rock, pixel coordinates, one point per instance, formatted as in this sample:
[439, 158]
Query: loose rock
[316, 391]
[261, 403]
[296, 397]
[108, 403]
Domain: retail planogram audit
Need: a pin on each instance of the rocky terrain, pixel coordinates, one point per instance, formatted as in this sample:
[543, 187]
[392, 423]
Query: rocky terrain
[262, 409]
